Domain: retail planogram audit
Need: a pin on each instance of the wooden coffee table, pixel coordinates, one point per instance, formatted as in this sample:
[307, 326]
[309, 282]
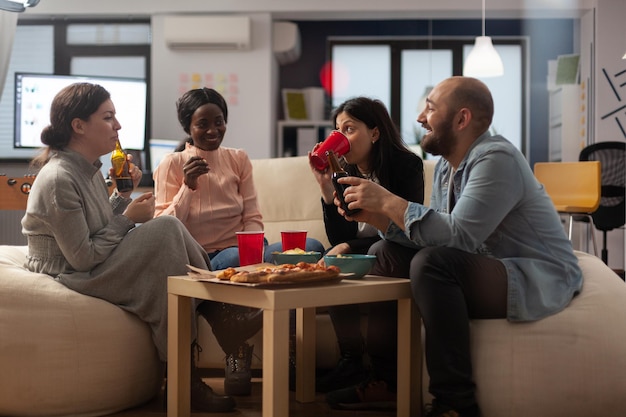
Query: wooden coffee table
[276, 303]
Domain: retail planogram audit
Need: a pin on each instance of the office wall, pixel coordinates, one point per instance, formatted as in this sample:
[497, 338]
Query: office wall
[610, 71]
[244, 76]
[562, 34]
[603, 73]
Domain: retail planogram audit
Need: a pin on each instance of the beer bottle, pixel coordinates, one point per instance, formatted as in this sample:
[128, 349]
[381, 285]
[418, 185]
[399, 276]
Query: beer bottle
[121, 169]
[339, 172]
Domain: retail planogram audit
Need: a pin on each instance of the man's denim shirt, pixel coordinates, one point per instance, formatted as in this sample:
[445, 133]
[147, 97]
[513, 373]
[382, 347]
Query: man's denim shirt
[503, 212]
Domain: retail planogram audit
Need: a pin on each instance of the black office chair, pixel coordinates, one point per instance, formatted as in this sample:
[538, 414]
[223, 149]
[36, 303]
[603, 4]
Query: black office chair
[612, 211]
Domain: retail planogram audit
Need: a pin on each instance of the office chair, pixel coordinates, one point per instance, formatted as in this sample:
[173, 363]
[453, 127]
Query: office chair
[573, 187]
[611, 213]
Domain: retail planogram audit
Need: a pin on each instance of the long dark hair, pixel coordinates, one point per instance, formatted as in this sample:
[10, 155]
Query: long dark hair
[79, 100]
[373, 113]
[189, 102]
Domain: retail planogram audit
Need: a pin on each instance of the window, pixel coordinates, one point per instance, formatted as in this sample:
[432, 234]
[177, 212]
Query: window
[111, 49]
[400, 72]
[33, 51]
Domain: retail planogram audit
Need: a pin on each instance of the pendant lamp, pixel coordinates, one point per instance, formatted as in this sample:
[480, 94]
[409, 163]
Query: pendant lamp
[421, 104]
[483, 60]
[17, 5]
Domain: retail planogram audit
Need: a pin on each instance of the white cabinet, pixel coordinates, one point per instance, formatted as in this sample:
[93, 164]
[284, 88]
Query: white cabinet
[565, 140]
[297, 137]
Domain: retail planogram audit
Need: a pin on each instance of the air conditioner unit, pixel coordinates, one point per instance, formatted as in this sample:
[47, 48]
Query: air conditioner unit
[286, 42]
[207, 32]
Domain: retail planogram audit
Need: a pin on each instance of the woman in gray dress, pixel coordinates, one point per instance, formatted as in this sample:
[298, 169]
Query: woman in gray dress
[89, 241]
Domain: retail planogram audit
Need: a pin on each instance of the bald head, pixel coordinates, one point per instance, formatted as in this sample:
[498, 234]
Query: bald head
[467, 92]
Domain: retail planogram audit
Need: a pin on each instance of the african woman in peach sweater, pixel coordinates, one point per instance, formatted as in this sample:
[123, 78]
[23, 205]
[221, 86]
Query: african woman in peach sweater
[209, 188]
[206, 186]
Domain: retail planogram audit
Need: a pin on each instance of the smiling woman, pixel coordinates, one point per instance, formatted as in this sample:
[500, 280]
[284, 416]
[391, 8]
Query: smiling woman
[209, 187]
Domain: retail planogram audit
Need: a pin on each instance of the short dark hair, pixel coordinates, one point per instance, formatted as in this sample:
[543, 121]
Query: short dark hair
[373, 113]
[189, 102]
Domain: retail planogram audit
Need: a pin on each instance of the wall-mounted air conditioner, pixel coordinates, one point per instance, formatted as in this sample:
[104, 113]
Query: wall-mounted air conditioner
[207, 32]
[287, 47]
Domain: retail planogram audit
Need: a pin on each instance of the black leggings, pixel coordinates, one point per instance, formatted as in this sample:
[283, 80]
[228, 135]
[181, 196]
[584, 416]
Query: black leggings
[450, 287]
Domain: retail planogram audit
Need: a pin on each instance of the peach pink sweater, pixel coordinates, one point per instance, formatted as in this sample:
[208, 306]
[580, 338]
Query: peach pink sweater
[225, 201]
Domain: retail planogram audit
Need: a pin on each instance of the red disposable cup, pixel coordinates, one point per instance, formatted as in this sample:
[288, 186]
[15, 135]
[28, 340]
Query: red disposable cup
[336, 141]
[293, 239]
[251, 247]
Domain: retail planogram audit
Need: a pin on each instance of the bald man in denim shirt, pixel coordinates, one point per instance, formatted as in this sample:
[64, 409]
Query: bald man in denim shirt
[491, 245]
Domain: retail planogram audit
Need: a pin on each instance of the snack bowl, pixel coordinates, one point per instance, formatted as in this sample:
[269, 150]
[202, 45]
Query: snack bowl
[359, 265]
[289, 257]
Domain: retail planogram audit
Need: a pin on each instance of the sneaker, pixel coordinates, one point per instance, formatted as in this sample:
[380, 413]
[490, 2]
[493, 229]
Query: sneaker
[369, 395]
[238, 379]
[348, 372]
[441, 410]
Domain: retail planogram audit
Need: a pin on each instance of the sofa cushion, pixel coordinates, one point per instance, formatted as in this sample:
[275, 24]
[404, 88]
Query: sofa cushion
[571, 364]
[63, 353]
[289, 197]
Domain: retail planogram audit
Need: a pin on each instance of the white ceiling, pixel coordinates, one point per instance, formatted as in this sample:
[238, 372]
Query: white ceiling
[319, 9]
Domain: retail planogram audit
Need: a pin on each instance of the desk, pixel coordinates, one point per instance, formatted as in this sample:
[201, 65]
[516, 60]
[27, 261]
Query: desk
[276, 303]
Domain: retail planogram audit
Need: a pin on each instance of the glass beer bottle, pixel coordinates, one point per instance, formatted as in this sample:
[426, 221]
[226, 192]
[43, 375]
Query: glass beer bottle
[121, 169]
[338, 172]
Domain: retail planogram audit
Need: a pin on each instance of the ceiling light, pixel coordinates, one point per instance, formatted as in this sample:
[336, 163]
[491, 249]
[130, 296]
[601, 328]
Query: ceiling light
[483, 60]
[17, 5]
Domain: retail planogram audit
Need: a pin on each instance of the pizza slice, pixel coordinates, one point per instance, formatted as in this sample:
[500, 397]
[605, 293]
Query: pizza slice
[287, 273]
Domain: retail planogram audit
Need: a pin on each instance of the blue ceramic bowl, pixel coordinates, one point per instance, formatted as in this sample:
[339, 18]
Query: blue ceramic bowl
[359, 265]
[293, 258]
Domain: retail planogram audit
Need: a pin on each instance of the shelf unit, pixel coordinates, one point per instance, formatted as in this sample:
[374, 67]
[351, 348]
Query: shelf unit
[287, 135]
[564, 138]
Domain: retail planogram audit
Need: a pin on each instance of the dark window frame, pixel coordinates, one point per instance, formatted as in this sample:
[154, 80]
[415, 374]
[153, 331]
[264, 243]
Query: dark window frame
[398, 44]
[64, 53]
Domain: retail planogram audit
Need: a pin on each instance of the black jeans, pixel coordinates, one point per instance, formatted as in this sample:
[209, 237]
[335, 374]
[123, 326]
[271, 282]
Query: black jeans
[232, 324]
[450, 287]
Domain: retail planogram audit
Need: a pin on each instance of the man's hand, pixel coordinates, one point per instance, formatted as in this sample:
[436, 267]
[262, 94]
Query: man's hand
[378, 205]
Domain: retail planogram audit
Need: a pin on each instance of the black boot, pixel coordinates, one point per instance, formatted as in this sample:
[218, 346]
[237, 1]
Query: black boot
[238, 379]
[202, 396]
[292, 362]
[349, 371]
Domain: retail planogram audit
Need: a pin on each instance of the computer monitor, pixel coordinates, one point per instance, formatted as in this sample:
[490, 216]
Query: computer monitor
[159, 148]
[34, 94]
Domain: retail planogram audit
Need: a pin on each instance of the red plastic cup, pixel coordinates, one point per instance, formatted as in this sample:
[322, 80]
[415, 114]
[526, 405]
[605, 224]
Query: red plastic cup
[251, 247]
[336, 141]
[293, 239]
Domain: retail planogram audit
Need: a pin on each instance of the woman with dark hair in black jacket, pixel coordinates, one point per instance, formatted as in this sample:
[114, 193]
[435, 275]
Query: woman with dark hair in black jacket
[378, 153]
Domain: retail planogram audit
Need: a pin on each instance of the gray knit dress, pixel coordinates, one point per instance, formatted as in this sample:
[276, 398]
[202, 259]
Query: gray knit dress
[77, 235]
